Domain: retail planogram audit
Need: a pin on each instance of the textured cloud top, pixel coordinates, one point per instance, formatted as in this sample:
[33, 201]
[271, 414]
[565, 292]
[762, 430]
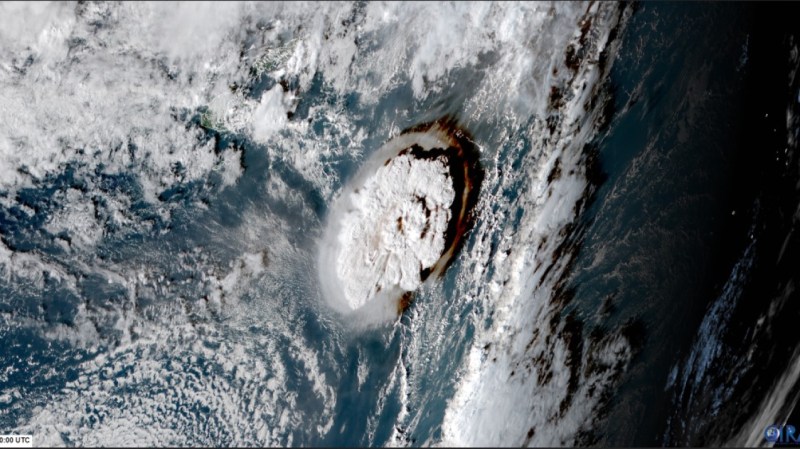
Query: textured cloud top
[400, 219]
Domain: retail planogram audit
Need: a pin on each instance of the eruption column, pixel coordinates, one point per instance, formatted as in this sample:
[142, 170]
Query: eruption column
[402, 218]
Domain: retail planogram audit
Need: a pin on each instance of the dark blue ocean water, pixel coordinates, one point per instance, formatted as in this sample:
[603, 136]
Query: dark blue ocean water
[689, 160]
